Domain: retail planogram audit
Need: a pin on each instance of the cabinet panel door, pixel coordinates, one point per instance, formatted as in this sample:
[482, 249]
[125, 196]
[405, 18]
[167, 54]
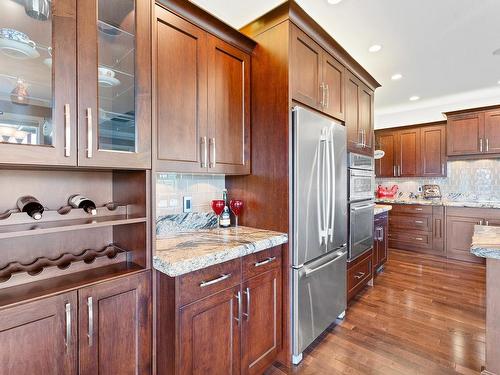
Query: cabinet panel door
[366, 119]
[306, 65]
[386, 141]
[352, 88]
[333, 81]
[115, 326]
[210, 335]
[114, 83]
[39, 338]
[408, 155]
[261, 338]
[492, 132]
[433, 153]
[38, 86]
[464, 133]
[180, 67]
[229, 108]
[459, 232]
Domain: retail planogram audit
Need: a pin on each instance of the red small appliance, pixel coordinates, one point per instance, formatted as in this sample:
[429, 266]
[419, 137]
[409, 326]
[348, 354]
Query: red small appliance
[383, 192]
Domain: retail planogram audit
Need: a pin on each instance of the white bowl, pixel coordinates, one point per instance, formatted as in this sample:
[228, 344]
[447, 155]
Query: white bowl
[105, 81]
[18, 50]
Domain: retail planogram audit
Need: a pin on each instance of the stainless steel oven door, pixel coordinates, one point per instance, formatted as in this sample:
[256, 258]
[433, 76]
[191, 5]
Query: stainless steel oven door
[360, 228]
[361, 185]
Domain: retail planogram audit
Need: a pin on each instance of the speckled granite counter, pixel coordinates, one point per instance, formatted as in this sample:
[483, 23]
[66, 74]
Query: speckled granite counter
[486, 242]
[381, 208]
[184, 252]
[440, 202]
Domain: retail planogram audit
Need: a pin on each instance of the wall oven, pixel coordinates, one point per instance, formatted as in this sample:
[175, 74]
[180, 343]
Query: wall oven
[361, 204]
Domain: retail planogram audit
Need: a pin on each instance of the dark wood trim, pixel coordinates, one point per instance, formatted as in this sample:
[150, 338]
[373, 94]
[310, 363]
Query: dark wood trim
[471, 110]
[404, 127]
[292, 11]
[209, 23]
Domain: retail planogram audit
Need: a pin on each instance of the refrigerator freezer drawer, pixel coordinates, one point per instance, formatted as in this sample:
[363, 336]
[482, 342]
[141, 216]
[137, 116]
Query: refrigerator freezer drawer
[319, 297]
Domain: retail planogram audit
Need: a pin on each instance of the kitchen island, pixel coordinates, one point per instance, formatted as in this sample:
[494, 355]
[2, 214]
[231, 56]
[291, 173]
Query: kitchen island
[486, 244]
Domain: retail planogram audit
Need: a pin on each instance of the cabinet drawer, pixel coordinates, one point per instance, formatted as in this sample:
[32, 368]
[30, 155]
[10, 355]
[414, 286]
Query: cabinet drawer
[257, 263]
[411, 209]
[422, 240]
[359, 273]
[413, 222]
[205, 282]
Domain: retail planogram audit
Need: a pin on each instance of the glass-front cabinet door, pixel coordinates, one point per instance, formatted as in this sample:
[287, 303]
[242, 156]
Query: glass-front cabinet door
[114, 83]
[38, 82]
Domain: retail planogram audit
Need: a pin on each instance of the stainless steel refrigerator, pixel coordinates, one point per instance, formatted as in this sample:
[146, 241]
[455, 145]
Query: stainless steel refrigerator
[319, 225]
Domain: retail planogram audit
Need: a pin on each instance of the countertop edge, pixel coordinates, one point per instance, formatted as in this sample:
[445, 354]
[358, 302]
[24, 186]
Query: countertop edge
[197, 263]
[483, 251]
[440, 203]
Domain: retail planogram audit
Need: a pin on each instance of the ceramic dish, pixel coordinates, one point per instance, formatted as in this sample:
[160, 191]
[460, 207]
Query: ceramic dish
[105, 81]
[17, 45]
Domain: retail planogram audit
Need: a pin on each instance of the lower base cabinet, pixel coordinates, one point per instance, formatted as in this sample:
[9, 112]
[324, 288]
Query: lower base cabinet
[359, 274]
[380, 243]
[111, 319]
[231, 326]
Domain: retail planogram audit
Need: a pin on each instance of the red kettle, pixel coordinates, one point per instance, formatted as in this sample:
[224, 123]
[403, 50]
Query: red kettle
[383, 192]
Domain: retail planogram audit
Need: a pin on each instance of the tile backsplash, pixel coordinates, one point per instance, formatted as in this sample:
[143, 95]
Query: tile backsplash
[171, 188]
[476, 179]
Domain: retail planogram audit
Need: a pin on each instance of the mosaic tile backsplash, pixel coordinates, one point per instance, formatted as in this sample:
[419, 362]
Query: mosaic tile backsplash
[171, 188]
[472, 179]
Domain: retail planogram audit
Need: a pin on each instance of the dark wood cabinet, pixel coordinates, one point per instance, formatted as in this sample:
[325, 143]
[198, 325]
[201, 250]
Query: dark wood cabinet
[359, 115]
[115, 326]
[380, 243]
[474, 133]
[40, 337]
[433, 151]
[223, 319]
[414, 151]
[202, 99]
[261, 321]
[359, 274]
[210, 335]
[317, 78]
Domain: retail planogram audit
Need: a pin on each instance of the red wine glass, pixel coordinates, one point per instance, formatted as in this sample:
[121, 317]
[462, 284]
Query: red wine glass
[236, 206]
[218, 207]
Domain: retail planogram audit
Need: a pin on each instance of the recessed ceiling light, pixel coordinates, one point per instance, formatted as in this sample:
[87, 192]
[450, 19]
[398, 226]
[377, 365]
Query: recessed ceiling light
[334, 2]
[375, 48]
[414, 98]
[396, 76]
[498, 82]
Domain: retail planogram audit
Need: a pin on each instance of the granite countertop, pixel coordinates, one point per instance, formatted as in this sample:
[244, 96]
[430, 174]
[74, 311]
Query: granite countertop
[381, 208]
[486, 242]
[440, 202]
[183, 252]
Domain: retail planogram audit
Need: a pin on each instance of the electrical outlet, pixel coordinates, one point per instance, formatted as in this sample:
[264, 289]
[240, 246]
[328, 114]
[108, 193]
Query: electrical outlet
[419, 189]
[187, 204]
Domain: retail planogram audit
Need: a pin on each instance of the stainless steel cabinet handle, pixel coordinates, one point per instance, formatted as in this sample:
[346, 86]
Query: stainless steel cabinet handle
[238, 298]
[419, 238]
[394, 171]
[399, 170]
[419, 222]
[327, 101]
[442, 169]
[264, 262]
[419, 209]
[67, 131]
[487, 222]
[359, 275]
[247, 314]
[89, 133]
[90, 309]
[481, 145]
[214, 155]
[222, 277]
[381, 233]
[204, 156]
[322, 92]
[68, 325]
[487, 145]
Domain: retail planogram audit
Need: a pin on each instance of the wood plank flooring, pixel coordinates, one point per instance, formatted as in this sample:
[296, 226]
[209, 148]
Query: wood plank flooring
[425, 315]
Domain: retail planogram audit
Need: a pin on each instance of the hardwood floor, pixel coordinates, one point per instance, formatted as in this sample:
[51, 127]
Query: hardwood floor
[425, 315]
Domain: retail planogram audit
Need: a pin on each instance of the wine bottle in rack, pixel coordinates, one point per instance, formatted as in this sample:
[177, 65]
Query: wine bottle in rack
[31, 206]
[225, 218]
[81, 201]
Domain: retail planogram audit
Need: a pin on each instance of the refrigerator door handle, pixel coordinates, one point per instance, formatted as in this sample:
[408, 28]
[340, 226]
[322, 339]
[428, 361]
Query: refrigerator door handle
[309, 271]
[328, 183]
[318, 190]
[332, 191]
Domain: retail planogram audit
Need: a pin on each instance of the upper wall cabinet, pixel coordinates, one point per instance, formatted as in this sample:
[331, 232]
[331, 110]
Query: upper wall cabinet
[474, 133]
[202, 99]
[317, 77]
[359, 115]
[37, 83]
[114, 94]
[40, 81]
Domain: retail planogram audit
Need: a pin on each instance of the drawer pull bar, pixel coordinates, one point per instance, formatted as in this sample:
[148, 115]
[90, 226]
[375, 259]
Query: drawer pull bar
[419, 222]
[359, 275]
[238, 298]
[419, 209]
[264, 262]
[222, 277]
[247, 314]
[68, 326]
[419, 238]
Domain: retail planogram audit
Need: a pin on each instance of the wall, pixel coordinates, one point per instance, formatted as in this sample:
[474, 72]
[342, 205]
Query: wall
[474, 179]
[172, 187]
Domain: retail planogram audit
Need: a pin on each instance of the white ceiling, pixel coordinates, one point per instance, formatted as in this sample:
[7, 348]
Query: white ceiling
[442, 47]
